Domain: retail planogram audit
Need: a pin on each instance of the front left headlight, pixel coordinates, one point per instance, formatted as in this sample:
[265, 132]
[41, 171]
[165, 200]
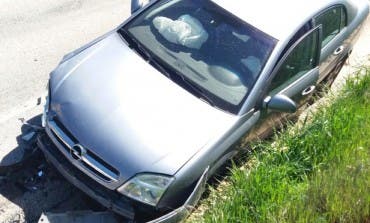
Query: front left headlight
[146, 188]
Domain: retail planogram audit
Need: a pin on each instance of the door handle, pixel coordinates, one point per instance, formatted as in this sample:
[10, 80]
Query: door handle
[308, 90]
[339, 50]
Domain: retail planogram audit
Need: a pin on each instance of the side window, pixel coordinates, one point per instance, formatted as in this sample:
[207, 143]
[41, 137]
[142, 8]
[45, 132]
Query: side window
[343, 22]
[301, 59]
[332, 21]
[301, 32]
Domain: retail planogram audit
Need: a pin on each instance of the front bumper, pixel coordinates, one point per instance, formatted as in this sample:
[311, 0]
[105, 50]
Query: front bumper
[108, 198]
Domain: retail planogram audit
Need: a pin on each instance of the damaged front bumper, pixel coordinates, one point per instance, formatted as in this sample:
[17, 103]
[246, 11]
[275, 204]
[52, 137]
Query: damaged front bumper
[112, 199]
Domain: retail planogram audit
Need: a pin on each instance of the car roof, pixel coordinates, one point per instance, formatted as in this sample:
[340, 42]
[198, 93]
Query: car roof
[276, 18]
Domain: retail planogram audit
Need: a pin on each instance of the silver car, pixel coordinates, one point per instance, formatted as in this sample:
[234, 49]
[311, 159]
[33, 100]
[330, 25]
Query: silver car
[140, 118]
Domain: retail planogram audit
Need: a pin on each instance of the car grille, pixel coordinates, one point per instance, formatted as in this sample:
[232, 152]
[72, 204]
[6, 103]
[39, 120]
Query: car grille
[90, 161]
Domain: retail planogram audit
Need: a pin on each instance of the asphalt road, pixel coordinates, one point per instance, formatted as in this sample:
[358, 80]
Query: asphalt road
[34, 36]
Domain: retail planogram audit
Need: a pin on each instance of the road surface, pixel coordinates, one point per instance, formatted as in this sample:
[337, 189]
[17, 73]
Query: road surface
[34, 36]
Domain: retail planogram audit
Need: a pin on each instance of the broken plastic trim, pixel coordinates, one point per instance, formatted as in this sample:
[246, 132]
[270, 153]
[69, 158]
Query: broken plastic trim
[34, 127]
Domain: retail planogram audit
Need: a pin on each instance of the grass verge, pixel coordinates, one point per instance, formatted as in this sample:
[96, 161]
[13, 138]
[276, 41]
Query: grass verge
[317, 172]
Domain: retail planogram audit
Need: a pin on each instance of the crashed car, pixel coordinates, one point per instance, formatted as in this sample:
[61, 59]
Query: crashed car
[142, 117]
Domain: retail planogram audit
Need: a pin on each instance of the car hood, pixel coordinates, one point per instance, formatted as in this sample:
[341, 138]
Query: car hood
[128, 113]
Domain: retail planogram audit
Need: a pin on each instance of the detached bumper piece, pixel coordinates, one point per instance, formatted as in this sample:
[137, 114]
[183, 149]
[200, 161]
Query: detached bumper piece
[78, 217]
[112, 199]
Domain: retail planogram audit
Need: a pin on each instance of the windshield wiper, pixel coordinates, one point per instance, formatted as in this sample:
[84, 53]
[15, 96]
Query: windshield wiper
[198, 89]
[136, 45]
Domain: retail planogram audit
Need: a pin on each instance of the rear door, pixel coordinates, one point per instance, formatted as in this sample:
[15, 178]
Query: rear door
[334, 47]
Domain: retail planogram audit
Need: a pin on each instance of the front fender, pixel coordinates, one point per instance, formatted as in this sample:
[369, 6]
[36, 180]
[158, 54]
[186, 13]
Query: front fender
[184, 211]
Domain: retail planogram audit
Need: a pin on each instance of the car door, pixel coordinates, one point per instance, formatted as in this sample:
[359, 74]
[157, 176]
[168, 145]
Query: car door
[295, 76]
[334, 47]
[297, 73]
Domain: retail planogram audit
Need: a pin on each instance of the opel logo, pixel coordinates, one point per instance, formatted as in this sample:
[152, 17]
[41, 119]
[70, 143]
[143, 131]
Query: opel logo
[77, 152]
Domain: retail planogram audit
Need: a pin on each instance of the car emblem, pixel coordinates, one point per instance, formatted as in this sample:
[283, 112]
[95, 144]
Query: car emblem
[77, 152]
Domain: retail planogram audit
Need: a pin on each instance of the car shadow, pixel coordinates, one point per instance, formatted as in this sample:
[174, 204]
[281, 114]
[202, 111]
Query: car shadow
[31, 186]
[25, 148]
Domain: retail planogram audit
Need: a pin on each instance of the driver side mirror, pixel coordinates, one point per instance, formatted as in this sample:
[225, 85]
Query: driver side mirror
[280, 103]
[138, 4]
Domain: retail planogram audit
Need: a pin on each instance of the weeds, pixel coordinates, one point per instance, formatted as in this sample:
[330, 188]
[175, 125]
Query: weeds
[318, 172]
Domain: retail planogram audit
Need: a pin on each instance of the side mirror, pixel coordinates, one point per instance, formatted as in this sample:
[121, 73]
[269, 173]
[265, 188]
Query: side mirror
[138, 4]
[280, 103]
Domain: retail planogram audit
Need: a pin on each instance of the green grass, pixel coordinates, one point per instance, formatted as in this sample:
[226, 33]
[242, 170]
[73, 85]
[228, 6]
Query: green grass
[318, 172]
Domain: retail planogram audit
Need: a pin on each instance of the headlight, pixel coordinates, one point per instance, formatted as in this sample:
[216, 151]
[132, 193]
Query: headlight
[146, 188]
